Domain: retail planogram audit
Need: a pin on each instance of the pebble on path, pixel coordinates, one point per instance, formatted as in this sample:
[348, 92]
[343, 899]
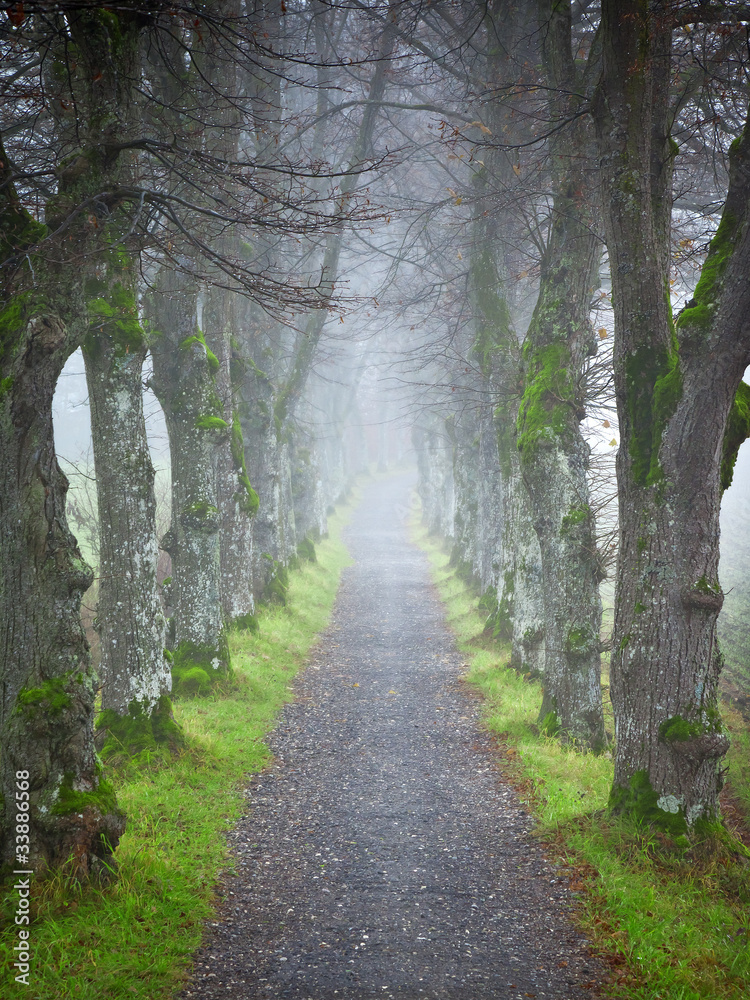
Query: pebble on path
[382, 854]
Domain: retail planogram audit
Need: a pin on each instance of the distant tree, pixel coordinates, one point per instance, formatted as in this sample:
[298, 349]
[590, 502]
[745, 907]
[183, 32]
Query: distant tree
[281, 357]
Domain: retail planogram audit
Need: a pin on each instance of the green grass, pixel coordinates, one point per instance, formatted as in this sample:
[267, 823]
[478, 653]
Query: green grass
[134, 938]
[672, 925]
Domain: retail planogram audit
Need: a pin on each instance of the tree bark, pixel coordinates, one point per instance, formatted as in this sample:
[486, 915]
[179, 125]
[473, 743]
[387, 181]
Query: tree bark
[512, 547]
[48, 685]
[265, 455]
[135, 672]
[464, 432]
[434, 449]
[237, 500]
[554, 456]
[185, 385]
[683, 413]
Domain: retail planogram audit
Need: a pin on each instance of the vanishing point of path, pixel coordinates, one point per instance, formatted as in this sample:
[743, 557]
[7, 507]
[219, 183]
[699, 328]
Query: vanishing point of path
[382, 855]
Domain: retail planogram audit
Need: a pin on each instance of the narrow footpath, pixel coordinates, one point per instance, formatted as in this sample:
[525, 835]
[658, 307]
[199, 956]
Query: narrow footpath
[382, 855]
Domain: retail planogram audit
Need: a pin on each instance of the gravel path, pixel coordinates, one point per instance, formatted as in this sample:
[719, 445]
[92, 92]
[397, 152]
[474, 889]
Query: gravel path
[382, 855]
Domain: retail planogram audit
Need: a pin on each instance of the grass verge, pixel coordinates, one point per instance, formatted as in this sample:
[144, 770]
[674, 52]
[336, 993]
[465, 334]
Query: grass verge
[672, 925]
[134, 937]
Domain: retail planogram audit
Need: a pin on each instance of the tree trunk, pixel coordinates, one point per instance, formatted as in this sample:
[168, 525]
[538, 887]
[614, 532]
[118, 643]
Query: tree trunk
[466, 468]
[135, 672]
[519, 614]
[554, 459]
[554, 456]
[307, 487]
[48, 686]
[263, 455]
[46, 728]
[683, 414]
[510, 551]
[185, 385]
[237, 500]
[435, 468]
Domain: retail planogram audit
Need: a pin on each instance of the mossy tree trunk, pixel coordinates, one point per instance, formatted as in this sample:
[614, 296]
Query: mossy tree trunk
[489, 499]
[48, 686]
[190, 380]
[464, 430]
[553, 453]
[517, 608]
[434, 447]
[519, 614]
[264, 451]
[47, 720]
[237, 500]
[217, 82]
[184, 381]
[306, 481]
[683, 413]
[134, 671]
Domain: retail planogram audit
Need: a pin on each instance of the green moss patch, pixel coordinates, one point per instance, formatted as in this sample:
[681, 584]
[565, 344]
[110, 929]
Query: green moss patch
[654, 388]
[737, 431]
[201, 515]
[103, 798]
[549, 398]
[277, 584]
[140, 729]
[198, 338]
[247, 497]
[639, 803]
[52, 696]
[14, 316]
[197, 668]
[574, 517]
[699, 311]
[306, 550]
[114, 315]
[580, 639]
[248, 622]
[206, 422]
[499, 623]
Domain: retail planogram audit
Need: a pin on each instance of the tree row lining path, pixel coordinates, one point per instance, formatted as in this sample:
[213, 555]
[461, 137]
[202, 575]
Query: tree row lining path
[382, 855]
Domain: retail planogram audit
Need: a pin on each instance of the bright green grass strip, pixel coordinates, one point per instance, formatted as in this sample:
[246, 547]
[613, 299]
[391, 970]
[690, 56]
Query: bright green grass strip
[676, 921]
[133, 940]
[567, 782]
